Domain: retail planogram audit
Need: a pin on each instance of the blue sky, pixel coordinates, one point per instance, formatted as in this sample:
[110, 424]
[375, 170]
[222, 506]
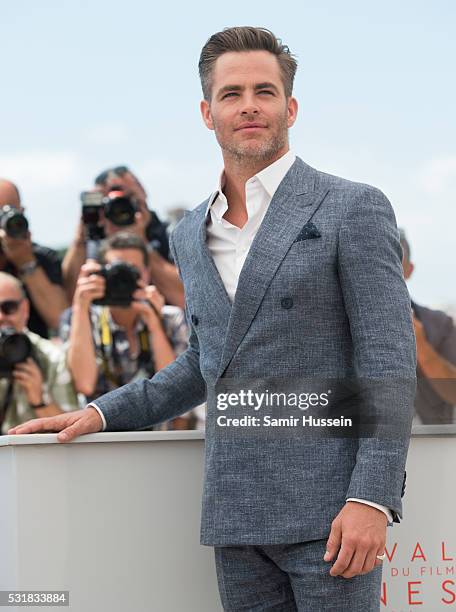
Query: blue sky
[86, 85]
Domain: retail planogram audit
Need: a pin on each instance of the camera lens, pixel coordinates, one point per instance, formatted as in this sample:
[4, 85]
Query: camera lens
[14, 347]
[14, 223]
[120, 210]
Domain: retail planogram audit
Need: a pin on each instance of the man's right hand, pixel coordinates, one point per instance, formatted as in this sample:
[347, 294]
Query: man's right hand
[70, 425]
[90, 285]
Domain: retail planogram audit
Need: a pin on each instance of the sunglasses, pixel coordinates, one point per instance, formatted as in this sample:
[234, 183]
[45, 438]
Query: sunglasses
[103, 177]
[9, 307]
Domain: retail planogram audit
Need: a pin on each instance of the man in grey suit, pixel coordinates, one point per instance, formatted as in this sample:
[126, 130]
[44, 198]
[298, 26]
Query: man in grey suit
[289, 273]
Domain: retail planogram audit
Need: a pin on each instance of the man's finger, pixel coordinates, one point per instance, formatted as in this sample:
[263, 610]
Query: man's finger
[86, 421]
[370, 561]
[54, 423]
[73, 431]
[346, 552]
[21, 377]
[356, 564]
[24, 368]
[334, 541]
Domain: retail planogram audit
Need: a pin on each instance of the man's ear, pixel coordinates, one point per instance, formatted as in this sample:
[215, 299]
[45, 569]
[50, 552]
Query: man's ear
[292, 111]
[206, 114]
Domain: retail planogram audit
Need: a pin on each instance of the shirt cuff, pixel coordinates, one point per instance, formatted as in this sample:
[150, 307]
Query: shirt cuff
[383, 509]
[92, 405]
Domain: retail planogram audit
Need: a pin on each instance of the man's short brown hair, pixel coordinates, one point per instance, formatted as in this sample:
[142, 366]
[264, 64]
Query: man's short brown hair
[245, 38]
[122, 241]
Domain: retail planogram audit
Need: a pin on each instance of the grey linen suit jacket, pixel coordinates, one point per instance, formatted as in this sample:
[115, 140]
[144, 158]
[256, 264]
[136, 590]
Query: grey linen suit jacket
[335, 305]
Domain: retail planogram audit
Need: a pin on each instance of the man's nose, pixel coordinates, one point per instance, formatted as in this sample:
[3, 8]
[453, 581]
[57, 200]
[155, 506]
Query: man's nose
[250, 106]
[250, 110]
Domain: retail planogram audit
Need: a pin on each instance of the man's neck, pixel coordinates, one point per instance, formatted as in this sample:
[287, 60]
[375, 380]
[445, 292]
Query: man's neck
[237, 173]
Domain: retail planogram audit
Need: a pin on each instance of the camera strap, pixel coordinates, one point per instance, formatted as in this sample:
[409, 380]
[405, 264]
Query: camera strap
[6, 401]
[108, 349]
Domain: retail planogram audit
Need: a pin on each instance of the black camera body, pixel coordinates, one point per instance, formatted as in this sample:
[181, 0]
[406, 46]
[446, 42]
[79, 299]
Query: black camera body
[116, 206]
[13, 222]
[15, 347]
[121, 282]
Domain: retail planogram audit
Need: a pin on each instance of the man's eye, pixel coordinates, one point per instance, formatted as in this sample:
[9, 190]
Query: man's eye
[227, 95]
[266, 91]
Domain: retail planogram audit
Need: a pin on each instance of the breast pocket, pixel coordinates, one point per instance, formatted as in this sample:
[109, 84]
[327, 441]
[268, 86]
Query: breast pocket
[303, 250]
[308, 264]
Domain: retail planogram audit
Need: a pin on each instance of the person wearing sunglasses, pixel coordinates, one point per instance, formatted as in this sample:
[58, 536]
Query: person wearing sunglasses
[435, 333]
[147, 225]
[38, 267]
[41, 385]
[292, 277]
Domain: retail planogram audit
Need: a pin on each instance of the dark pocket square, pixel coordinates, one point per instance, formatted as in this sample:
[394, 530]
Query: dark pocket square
[309, 230]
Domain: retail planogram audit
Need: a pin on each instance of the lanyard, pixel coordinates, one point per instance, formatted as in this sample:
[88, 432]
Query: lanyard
[108, 348]
[6, 401]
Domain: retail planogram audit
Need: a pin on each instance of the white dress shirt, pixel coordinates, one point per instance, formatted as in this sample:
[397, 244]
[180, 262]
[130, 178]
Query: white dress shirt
[229, 245]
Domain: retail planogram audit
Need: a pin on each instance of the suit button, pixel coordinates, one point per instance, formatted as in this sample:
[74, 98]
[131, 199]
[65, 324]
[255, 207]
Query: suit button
[194, 319]
[286, 302]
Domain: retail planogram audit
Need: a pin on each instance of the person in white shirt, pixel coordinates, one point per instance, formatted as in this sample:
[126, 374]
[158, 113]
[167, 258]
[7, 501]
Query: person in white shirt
[247, 77]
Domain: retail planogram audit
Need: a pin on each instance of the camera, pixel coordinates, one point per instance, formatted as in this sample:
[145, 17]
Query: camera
[13, 222]
[92, 204]
[15, 347]
[121, 282]
[116, 206]
[119, 208]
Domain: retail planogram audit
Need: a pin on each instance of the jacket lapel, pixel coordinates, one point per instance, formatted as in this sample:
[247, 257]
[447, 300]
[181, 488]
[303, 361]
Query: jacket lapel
[293, 204]
[203, 273]
[214, 289]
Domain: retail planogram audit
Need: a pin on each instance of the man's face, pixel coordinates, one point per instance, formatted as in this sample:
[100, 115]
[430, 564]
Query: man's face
[128, 183]
[131, 256]
[12, 300]
[249, 111]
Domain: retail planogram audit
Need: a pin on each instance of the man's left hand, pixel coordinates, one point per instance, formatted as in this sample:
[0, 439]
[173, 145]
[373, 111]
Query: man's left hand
[18, 251]
[148, 304]
[358, 535]
[29, 377]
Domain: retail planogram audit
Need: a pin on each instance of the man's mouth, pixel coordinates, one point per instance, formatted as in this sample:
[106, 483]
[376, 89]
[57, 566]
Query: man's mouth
[250, 126]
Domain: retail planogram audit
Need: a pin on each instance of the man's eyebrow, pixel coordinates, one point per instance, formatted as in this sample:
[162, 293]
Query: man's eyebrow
[266, 85]
[226, 88]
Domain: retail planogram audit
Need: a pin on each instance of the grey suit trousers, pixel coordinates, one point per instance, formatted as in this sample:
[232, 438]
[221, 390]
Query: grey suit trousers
[290, 578]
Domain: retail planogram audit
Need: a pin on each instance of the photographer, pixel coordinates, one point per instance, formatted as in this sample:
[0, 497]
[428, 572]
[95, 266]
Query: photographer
[34, 380]
[435, 335]
[144, 223]
[38, 267]
[111, 344]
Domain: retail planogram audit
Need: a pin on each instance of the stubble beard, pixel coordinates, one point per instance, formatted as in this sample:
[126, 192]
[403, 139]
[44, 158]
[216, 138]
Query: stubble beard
[244, 153]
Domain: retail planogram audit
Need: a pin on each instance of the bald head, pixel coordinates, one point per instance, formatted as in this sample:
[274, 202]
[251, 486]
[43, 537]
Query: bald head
[9, 194]
[12, 285]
